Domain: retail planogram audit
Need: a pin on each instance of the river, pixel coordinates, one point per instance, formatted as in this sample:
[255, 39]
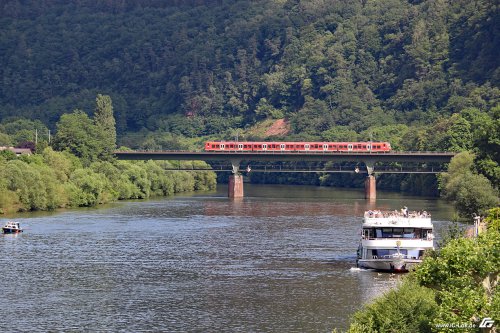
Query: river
[280, 260]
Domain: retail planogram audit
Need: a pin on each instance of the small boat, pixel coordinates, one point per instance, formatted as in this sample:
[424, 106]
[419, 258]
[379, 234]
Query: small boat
[394, 241]
[11, 228]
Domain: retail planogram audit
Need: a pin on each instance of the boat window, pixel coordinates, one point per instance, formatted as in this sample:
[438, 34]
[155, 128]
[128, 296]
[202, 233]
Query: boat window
[414, 254]
[368, 233]
[381, 253]
[409, 233]
[386, 232]
[398, 232]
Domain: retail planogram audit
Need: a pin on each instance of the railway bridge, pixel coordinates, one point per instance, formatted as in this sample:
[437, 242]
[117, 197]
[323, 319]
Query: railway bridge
[235, 158]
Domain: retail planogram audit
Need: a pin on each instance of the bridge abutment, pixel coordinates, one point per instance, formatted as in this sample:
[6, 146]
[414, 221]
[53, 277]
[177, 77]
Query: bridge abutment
[235, 185]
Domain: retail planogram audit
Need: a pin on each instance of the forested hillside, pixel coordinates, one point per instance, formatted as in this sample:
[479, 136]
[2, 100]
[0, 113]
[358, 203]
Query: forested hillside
[422, 74]
[321, 63]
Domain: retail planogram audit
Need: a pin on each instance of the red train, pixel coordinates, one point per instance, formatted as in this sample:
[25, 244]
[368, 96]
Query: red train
[298, 146]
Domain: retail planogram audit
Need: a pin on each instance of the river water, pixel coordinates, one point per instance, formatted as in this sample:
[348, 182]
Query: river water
[282, 259]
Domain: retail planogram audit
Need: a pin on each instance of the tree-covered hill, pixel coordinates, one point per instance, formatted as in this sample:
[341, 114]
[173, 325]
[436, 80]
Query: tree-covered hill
[322, 64]
[423, 75]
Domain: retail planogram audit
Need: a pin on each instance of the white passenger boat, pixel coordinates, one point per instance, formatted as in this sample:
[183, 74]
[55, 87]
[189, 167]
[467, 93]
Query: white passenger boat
[394, 240]
[11, 227]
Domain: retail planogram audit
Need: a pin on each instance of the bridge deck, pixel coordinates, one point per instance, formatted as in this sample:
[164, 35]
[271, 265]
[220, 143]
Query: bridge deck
[439, 157]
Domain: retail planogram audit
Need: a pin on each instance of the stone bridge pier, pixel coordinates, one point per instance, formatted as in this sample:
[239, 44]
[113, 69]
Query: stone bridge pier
[235, 184]
[370, 181]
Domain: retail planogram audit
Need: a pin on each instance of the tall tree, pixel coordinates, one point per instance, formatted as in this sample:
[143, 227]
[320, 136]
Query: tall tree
[77, 134]
[105, 124]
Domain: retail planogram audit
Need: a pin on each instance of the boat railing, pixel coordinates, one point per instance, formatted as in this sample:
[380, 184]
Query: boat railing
[428, 238]
[395, 214]
[392, 256]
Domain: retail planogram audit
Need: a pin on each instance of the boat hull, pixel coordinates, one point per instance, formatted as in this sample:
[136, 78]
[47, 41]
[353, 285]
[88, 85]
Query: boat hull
[11, 231]
[389, 265]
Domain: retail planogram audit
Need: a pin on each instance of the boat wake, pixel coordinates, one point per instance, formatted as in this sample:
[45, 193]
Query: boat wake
[358, 269]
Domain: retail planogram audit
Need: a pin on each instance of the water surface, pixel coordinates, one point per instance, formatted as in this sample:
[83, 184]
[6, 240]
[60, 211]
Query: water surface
[280, 260]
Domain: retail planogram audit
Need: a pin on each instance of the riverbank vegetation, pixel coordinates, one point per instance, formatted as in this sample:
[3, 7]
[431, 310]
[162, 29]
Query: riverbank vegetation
[455, 287]
[78, 169]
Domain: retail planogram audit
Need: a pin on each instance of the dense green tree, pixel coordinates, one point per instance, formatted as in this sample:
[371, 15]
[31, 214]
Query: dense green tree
[339, 133]
[406, 309]
[105, 124]
[5, 140]
[464, 276]
[470, 192]
[77, 134]
[21, 130]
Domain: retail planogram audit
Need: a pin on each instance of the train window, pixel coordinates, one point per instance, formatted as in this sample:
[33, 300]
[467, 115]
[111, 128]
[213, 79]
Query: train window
[306, 147]
[240, 146]
[264, 146]
[325, 147]
[282, 146]
[222, 146]
[349, 147]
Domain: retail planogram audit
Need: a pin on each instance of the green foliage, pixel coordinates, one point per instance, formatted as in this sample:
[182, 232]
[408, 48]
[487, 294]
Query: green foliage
[7, 155]
[357, 65]
[464, 276]
[58, 179]
[105, 126]
[339, 133]
[406, 309]
[77, 134]
[471, 193]
[91, 188]
[492, 219]
[20, 130]
[5, 140]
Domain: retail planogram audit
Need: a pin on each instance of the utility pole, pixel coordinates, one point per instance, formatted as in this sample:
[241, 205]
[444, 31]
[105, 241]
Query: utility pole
[36, 136]
[49, 137]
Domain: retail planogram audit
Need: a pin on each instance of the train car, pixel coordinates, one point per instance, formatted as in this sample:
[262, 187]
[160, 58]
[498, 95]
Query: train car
[252, 146]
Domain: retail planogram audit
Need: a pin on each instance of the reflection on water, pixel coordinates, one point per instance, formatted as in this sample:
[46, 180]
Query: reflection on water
[280, 259]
